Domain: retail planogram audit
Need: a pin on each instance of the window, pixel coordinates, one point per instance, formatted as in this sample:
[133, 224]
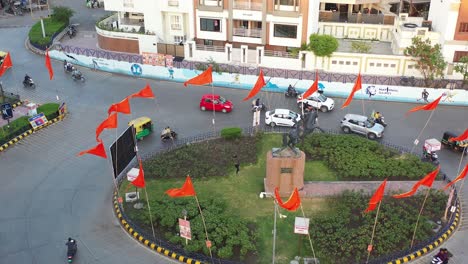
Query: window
[285, 31]
[286, 2]
[210, 25]
[393, 65]
[410, 67]
[371, 64]
[333, 61]
[385, 65]
[210, 2]
[348, 63]
[463, 28]
[179, 39]
[208, 42]
[175, 23]
[354, 63]
[458, 55]
[379, 65]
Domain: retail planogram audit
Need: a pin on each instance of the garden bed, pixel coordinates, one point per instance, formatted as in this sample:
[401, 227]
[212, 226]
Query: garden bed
[239, 222]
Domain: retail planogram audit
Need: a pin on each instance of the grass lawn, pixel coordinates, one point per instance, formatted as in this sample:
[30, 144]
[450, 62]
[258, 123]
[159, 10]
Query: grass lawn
[242, 193]
[50, 26]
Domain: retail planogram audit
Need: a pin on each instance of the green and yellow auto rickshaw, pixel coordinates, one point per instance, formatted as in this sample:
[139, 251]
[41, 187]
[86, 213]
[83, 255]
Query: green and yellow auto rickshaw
[455, 145]
[143, 127]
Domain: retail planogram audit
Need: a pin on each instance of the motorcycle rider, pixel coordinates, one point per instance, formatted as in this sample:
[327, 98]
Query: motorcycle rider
[71, 247]
[442, 257]
[291, 91]
[27, 79]
[68, 66]
[166, 133]
[76, 73]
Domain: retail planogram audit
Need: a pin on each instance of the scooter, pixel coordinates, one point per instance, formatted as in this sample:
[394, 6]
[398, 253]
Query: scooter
[381, 121]
[291, 92]
[166, 137]
[29, 83]
[78, 77]
[431, 156]
[71, 31]
[261, 107]
[72, 247]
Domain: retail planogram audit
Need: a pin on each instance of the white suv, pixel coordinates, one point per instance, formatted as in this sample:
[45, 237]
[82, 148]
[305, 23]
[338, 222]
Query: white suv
[362, 125]
[317, 101]
[281, 117]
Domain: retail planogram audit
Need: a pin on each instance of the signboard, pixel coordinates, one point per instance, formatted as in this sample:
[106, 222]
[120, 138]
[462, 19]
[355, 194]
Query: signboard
[155, 59]
[7, 111]
[38, 120]
[184, 227]
[136, 69]
[301, 225]
[62, 109]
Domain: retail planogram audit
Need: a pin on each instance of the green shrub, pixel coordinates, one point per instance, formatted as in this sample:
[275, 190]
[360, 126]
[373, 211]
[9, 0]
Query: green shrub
[360, 47]
[230, 133]
[62, 14]
[50, 110]
[356, 158]
[15, 128]
[51, 27]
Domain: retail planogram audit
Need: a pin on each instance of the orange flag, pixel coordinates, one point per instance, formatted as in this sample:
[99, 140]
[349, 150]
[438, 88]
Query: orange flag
[428, 107]
[110, 122]
[461, 137]
[377, 197]
[460, 177]
[312, 88]
[121, 107]
[426, 181]
[6, 64]
[139, 181]
[49, 65]
[186, 190]
[292, 203]
[205, 77]
[145, 93]
[257, 87]
[98, 150]
[357, 87]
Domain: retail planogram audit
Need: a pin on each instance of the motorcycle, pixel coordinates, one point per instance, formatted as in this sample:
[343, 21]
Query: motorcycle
[68, 68]
[291, 92]
[168, 136]
[431, 156]
[72, 247]
[78, 76]
[71, 31]
[261, 107]
[438, 260]
[381, 121]
[29, 83]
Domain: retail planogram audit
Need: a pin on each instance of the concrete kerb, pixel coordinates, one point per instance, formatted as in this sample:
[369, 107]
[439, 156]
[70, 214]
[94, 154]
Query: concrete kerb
[29, 132]
[131, 231]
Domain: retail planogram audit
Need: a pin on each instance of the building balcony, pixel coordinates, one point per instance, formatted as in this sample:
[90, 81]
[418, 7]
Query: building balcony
[124, 24]
[247, 5]
[333, 16]
[245, 32]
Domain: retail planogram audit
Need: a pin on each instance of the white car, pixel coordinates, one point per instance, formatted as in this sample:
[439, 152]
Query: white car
[317, 101]
[281, 117]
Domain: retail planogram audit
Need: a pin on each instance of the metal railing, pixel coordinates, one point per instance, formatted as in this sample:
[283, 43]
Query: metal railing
[251, 131]
[247, 5]
[210, 48]
[247, 32]
[283, 54]
[96, 53]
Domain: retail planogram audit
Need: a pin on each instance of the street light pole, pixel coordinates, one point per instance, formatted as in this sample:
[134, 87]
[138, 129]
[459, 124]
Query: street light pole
[274, 234]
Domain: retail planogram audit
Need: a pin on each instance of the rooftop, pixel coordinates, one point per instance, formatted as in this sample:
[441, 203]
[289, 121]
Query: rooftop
[377, 47]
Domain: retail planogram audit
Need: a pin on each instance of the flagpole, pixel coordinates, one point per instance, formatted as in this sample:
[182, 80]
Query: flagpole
[274, 234]
[149, 211]
[427, 122]
[373, 232]
[419, 215]
[308, 234]
[204, 224]
[214, 114]
[459, 191]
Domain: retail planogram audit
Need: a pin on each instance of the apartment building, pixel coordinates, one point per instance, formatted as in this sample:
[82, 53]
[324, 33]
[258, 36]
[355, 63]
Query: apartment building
[450, 18]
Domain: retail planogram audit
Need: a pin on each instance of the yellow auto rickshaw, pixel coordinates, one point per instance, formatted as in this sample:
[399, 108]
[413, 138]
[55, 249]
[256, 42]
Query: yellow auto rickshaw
[143, 127]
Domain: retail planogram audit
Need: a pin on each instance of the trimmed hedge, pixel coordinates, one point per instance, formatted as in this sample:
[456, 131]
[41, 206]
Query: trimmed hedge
[229, 133]
[356, 158]
[52, 28]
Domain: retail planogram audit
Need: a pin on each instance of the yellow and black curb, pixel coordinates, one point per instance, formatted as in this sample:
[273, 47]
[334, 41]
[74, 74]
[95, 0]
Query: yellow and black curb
[434, 244]
[17, 104]
[130, 230]
[29, 132]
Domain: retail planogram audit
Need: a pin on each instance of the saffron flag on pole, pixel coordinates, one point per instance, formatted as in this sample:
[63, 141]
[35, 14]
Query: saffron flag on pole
[257, 87]
[427, 107]
[459, 177]
[98, 150]
[186, 190]
[357, 86]
[6, 64]
[205, 77]
[426, 181]
[292, 203]
[377, 197]
[313, 88]
[110, 122]
[49, 65]
[139, 181]
[144, 93]
[121, 107]
[461, 137]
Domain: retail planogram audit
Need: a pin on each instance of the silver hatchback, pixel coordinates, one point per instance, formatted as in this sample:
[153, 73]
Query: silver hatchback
[362, 125]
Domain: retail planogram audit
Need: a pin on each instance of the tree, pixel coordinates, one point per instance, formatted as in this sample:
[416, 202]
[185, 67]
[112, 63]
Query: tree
[322, 45]
[62, 14]
[462, 67]
[429, 59]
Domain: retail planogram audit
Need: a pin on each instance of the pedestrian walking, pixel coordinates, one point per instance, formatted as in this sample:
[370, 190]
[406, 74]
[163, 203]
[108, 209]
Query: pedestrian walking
[424, 96]
[171, 72]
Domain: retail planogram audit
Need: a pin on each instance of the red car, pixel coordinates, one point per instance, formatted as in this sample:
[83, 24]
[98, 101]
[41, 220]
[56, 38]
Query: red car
[216, 102]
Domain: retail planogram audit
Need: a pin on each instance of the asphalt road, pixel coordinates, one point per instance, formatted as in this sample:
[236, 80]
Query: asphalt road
[48, 194]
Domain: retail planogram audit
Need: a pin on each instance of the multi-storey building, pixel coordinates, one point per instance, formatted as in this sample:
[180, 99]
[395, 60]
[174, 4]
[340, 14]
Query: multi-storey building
[450, 18]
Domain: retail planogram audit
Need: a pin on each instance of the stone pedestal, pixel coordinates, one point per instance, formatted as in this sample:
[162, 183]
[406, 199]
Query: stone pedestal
[285, 170]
